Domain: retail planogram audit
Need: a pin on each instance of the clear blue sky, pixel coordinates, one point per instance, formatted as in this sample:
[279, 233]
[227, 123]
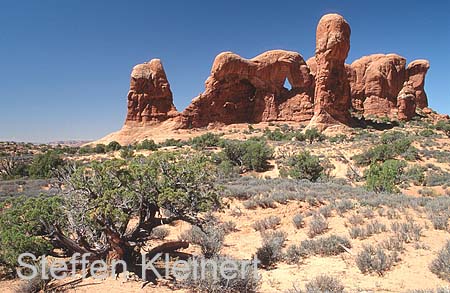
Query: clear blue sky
[65, 65]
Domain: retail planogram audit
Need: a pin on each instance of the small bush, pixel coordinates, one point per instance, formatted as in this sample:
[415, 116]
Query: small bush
[384, 177]
[297, 220]
[304, 166]
[439, 221]
[324, 283]
[249, 154]
[147, 144]
[113, 146]
[100, 149]
[313, 134]
[325, 246]
[270, 251]
[372, 259]
[43, 165]
[295, 254]
[210, 239]
[441, 265]
[318, 225]
[205, 140]
[160, 233]
[270, 222]
[246, 277]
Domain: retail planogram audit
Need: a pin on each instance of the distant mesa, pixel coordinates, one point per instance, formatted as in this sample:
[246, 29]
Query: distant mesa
[325, 91]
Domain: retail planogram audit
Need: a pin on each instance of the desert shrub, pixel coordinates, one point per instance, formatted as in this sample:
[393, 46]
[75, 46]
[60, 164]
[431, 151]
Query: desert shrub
[270, 222]
[384, 177]
[304, 166]
[437, 178]
[393, 244]
[100, 149]
[228, 227]
[325, 246]
[407, 231]
[444, 125]
[160, 233]
[126, 153]
[242, 278]
[343, 206]
[147, 144]
[113, 146]
[439, 220]
[295, 254]
[85, 150]
[297, 220]
[393, 144]
[210, 238]
[171, 142]
[356, 219]
[43, 165]
[340, 138]
[248, 155]
[416, 174]
[12, 167]
[318, 225]
[205, 140]
[426, 133]
[370, 229]
[270, 251]
[22, 227]
[375, 259]
[37, 283]
[440, 266]
[326, 211]
[324, 283]
[313, 134]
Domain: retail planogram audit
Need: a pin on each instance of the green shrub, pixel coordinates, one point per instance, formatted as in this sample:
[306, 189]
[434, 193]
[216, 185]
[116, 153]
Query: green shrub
[43, 165]
[393, 144]
[313, 134]
[205, 140]
[113, 146]
[444, 125]
[304, 166]
[416, 174]
[384, 177]
[22, 227]
[147, 145]
[100, 149]
[249, 155]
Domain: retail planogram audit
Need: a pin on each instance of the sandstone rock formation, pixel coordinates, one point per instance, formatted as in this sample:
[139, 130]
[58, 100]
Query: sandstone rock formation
[375, 82]
[240, 90]
[406, 102]
[332, 91]
[149, 97]
[324, 90]
[415, 72]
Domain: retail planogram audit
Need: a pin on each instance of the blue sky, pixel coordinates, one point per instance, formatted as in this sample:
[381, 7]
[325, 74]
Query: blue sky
[65, 65]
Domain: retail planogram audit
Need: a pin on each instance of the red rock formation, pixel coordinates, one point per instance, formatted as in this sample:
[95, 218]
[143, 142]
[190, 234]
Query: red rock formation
[375, 82]
[332, 91]
[149, 97]
[406, 102]
[240, 90]
[416, 72]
